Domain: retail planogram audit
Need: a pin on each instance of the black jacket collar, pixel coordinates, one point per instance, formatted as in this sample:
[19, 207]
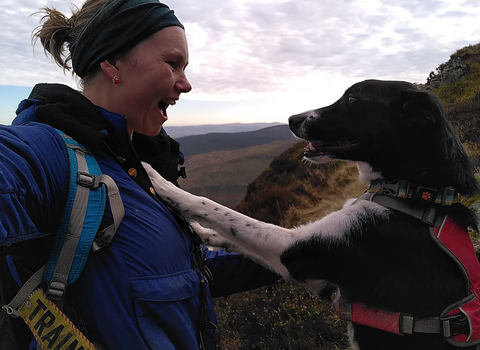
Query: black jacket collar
[68, 110]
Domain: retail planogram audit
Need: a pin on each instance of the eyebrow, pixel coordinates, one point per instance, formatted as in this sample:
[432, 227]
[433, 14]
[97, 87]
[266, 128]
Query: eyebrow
[177, 55]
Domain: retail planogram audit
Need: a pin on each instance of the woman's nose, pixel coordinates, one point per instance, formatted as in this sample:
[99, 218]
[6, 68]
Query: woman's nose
[183, 84]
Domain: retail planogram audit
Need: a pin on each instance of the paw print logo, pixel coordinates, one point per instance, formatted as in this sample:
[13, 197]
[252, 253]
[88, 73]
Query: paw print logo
[426, 196]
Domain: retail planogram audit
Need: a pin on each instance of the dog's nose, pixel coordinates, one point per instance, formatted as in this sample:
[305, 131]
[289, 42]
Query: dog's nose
[296, 120]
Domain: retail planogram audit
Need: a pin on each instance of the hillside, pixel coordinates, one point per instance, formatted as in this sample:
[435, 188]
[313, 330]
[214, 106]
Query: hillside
[290, 192]
[224, 175]
[457, 84]
[212, 142]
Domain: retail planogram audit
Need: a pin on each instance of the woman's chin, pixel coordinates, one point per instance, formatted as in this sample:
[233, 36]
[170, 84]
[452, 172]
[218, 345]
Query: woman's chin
[151, 128]
[154, 130]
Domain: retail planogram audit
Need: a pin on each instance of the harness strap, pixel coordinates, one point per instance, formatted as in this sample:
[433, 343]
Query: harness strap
[400, 323]
[432, 325]
[32, 283]
[456, 321]
[105, 236]
[428, 215]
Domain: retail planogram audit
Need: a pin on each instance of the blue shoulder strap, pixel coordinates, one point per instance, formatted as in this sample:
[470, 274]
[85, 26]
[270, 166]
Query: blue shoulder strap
[84, 208]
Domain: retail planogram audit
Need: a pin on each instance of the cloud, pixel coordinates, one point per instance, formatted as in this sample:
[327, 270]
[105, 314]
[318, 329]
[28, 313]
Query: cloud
[240, 48]
[261, 46]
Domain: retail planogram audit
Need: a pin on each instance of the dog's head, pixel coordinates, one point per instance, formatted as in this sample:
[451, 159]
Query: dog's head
[399, 131]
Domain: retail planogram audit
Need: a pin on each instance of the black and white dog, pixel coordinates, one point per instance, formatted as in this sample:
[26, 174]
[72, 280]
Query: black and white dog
[381, 257]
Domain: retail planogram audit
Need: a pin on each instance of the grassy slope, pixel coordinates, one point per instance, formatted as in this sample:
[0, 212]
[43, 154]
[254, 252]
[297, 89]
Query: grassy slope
[461, 100]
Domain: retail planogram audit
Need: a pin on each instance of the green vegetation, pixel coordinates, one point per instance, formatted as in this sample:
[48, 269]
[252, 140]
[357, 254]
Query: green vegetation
[279, 317]
[461, 97]
[290, 192]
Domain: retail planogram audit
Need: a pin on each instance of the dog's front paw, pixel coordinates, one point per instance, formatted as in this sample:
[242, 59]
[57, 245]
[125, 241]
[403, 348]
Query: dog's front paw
[211, 237]
[170, 194]
[158, 182]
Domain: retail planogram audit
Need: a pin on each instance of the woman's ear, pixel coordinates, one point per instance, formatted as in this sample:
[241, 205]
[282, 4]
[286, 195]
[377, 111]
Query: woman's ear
[110, 70]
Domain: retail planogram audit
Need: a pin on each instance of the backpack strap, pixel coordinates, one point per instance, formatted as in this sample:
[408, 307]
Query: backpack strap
[81, 219]
[75, 238]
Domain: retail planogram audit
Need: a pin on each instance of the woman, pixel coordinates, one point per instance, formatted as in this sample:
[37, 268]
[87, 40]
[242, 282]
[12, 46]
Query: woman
[146, 289]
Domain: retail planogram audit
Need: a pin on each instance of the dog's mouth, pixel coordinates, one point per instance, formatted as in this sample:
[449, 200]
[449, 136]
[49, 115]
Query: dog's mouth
[326, 151]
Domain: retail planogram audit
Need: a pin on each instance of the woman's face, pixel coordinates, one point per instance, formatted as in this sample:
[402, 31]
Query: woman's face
[152, 77]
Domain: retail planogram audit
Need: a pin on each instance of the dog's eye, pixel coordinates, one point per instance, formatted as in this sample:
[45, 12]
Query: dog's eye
[351, 99]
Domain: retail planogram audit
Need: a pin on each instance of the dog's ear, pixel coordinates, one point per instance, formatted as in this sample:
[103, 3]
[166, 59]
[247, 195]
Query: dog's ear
[422, 109]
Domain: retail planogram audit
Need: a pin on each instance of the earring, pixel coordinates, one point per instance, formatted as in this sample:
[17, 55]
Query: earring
[115, 80]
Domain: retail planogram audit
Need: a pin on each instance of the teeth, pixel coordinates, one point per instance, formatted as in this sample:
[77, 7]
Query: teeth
[167, 103]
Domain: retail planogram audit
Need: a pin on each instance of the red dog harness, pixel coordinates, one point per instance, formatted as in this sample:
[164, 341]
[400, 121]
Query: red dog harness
[459, 323]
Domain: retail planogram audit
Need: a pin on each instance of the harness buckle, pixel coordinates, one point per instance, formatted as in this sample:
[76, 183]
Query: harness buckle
[56, 291]
[407, 324]
[452, 326]
[88, 180]
[387, 188]
[102, 239]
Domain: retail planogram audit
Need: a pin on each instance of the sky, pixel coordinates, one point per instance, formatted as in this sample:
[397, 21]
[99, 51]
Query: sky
[264, 60]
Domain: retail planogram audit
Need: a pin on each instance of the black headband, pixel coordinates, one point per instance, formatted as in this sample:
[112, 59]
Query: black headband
[117, 26]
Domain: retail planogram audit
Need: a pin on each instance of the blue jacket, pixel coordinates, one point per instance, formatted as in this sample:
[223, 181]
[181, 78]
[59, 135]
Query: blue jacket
[143, 291]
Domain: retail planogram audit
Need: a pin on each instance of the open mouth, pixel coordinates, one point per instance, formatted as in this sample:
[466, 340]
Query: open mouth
[328, 151]
[163, 105]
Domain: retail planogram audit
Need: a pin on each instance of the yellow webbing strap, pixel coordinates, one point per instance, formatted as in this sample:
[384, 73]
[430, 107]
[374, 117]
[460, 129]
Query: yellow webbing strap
[51, 328]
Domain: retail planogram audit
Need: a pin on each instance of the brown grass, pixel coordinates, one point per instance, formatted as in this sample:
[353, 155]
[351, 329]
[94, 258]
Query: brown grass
[341, 185]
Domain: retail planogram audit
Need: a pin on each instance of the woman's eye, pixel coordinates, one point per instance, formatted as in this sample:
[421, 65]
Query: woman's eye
[173, 64]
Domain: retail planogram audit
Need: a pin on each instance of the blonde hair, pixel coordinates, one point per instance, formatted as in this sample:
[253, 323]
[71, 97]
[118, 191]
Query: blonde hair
[57, 32]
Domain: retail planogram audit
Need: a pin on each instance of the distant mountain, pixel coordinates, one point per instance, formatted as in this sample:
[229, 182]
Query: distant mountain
[213, 142]
[181, 131]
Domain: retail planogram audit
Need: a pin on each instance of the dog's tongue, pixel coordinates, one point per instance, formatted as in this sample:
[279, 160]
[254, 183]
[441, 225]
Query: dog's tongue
[312, 147]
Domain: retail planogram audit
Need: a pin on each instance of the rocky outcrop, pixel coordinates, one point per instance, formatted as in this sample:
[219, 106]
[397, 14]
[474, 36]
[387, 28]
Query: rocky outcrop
[448, 72]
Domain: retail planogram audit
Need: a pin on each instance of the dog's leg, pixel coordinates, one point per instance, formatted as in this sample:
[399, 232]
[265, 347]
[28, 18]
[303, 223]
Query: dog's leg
[262, 242]
[223, 227]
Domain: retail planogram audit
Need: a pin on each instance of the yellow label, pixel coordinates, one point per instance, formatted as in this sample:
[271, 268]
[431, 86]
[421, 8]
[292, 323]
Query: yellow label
[52, 329]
